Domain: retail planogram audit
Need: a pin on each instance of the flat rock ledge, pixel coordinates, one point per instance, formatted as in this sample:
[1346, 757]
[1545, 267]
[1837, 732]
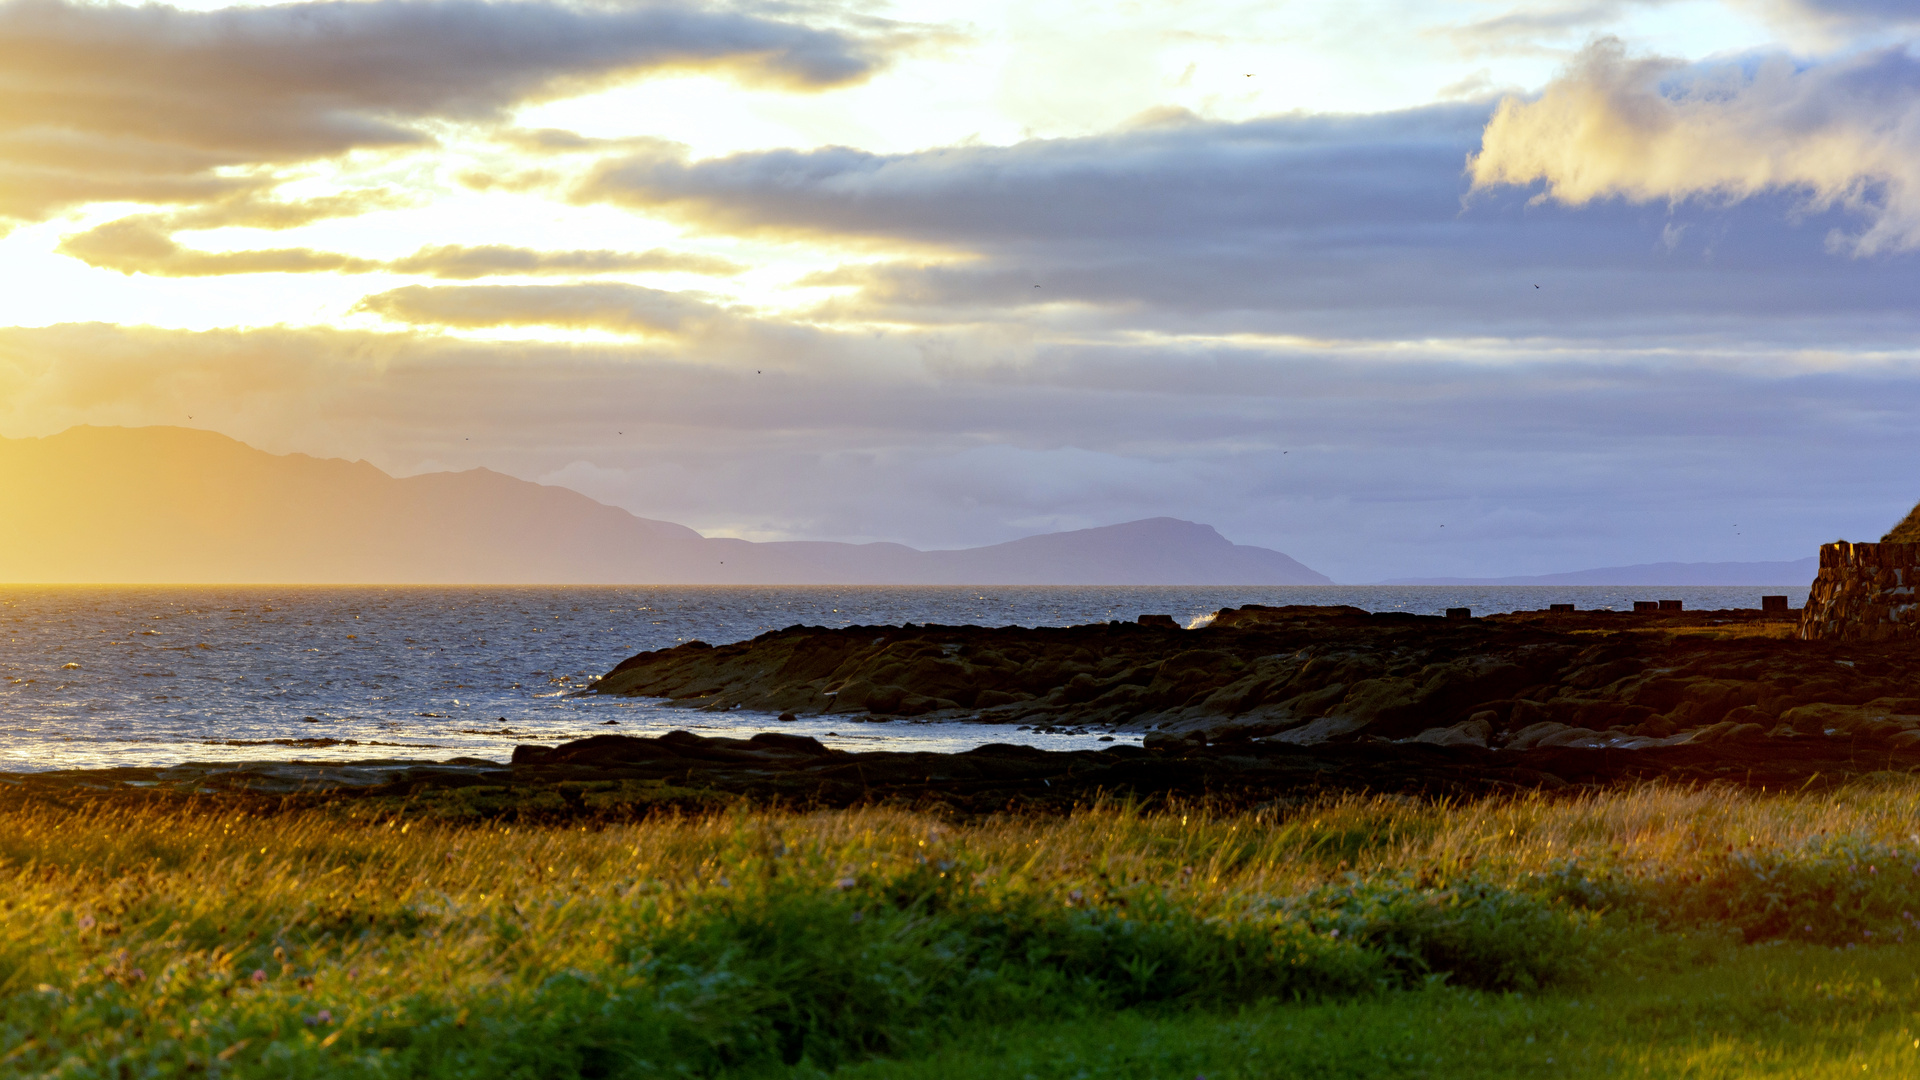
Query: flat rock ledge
[617, 777]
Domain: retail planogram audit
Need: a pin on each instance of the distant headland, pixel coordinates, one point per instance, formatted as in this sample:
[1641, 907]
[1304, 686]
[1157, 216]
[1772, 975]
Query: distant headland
[176, 505]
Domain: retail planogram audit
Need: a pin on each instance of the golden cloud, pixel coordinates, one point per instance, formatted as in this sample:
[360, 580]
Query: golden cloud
[139, 245]
[255, 211]
[465, 263]
[143, 244]
[158, 104]
[614, 306]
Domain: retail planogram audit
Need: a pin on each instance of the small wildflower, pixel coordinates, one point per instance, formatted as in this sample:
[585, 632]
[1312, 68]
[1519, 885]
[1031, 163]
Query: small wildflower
[136, 974]
[86, 922]
[845, 883]
[259, 976]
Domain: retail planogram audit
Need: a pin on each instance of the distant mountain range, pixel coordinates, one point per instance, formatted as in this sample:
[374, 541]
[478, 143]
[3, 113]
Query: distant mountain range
[174, 505]
[1794, 572]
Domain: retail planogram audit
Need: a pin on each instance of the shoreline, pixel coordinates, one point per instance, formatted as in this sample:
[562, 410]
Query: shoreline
[617, 777]
[1265, 705]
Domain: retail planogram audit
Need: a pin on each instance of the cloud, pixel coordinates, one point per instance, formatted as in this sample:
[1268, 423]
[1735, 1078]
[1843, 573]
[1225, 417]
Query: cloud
[1316, 226]
[1842, 16]
[159, 104]
[622, 308]
[1840, 134]
[143, 244]
[1883, 11]
[252, 210]
[1522, 29]
[464, 263]
[1154, 182]
[558, 141]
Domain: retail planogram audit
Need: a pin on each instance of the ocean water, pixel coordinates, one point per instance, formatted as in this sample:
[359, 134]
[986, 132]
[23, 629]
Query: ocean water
[96, 676]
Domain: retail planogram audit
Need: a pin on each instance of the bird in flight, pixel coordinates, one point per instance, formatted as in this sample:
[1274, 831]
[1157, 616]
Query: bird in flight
[1536, 286]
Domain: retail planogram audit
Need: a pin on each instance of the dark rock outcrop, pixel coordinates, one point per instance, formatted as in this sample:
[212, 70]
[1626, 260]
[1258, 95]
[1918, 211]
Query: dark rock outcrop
[1309, 675]
[619, 777]
[1239, 774]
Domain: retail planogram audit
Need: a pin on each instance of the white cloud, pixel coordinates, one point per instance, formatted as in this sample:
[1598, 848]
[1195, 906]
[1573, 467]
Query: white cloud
[1843, 133]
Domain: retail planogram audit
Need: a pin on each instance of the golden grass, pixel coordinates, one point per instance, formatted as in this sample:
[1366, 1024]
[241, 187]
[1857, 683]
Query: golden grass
[183, 915]
[304, 866]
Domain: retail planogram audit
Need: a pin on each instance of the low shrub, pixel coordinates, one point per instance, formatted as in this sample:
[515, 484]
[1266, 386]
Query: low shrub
[1471, 932]
[1826, 891]
[783, 972]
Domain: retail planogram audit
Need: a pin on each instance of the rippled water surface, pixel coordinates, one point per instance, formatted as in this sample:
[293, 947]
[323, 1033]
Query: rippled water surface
[99, 676]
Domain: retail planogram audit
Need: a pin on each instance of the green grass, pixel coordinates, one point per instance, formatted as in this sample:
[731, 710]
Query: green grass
[1653, 932]
[1794, 1011]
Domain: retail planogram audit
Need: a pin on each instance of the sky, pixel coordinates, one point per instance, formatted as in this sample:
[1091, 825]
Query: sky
[1398, 287]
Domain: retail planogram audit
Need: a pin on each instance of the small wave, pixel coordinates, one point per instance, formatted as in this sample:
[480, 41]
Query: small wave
[316, 744]
[308, 743]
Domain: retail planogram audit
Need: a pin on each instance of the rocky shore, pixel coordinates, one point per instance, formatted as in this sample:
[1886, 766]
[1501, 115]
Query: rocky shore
[1267, 706]
[616, 777]
[1315, 675]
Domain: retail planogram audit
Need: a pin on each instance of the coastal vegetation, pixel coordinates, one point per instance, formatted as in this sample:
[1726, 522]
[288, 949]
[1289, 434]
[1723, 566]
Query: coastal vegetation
[1657, 930]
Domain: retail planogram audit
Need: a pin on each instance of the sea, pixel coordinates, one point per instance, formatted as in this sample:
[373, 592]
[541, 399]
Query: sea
[106, 676]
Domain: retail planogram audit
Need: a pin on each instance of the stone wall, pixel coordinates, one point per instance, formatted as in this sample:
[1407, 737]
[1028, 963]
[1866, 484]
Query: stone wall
[1865, 592]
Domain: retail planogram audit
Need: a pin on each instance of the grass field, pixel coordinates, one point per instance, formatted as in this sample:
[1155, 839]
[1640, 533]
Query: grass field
[1658, 932]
